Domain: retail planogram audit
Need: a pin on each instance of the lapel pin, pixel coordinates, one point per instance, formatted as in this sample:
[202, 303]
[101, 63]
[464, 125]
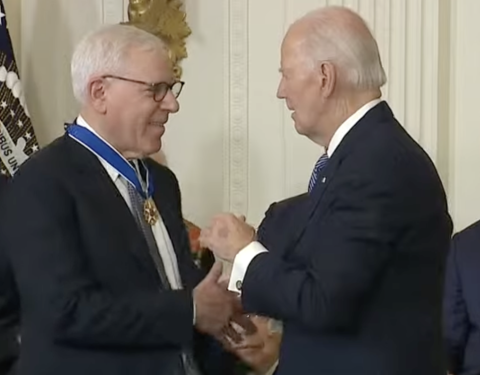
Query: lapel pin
[324, 180]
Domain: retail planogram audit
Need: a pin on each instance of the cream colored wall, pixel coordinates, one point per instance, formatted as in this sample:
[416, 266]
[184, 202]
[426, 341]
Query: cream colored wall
[218, 143]
[464, 130]
[12, 8]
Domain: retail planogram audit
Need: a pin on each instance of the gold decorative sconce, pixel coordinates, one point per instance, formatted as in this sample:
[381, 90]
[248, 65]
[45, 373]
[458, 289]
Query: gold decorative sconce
[165, 19]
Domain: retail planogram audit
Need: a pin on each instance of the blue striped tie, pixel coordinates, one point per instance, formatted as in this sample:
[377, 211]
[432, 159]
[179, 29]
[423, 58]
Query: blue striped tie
[319, 165]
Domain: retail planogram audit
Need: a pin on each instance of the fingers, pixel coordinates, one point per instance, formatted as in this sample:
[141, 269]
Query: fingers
[205, 234]
[223, 282]
[245, 323]
[234, 336]
[226, 219]
[215, 272]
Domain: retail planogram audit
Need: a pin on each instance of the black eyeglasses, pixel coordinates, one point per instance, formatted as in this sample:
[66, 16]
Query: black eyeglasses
[159, 89]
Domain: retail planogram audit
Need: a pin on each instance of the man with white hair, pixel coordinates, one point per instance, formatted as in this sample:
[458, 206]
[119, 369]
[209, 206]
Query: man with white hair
[357, 277]
[95, 233]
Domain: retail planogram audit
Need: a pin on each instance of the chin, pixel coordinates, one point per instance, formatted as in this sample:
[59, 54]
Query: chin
[300, 130]
[152, 148]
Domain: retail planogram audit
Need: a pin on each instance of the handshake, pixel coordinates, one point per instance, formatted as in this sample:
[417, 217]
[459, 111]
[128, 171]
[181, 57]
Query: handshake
[253, 339]
[219, 311]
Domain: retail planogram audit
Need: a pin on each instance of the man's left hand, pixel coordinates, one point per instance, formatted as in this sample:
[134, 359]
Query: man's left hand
[227, 235]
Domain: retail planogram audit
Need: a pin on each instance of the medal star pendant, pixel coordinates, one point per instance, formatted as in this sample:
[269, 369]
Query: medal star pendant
[150, 212]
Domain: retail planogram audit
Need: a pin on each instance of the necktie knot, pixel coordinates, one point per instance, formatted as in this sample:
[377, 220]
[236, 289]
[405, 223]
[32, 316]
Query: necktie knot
[139, 170]
[319, 165]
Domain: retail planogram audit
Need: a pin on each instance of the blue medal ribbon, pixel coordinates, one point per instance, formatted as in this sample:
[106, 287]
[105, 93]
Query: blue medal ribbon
[102, 149]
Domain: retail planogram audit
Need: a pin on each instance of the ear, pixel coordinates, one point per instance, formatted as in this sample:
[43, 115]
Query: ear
[97, 93]
[328, 78]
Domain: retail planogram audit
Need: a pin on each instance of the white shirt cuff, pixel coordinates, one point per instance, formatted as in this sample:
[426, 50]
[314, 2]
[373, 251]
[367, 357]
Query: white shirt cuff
[240, 265]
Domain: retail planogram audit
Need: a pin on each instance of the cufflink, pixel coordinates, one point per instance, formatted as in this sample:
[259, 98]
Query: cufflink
[238, 285]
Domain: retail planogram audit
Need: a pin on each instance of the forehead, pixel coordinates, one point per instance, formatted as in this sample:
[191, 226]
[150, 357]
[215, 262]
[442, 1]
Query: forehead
[151, 65]
[293, 44]
[292, 56]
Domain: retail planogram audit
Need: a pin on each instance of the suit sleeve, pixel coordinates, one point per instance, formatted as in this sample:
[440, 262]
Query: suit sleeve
[265, 226]
[9, 313]
[328, 292]
[9, 302]
[456, 321]
[44, 242]
[246, 255]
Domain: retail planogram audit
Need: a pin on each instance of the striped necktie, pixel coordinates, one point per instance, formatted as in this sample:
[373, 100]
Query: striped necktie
[319, 165]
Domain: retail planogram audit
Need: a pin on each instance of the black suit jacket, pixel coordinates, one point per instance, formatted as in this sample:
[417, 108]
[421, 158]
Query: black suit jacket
[9, 307]
[92, 301]
[462, 302]
[357, 278]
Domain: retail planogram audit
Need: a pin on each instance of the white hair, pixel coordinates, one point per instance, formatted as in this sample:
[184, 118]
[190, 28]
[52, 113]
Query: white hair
[341, 36]
[105, 51]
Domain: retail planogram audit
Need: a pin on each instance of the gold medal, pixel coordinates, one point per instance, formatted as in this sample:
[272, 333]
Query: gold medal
[150, 211]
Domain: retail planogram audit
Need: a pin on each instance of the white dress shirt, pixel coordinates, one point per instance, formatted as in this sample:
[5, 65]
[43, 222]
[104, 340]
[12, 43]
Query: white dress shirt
[246, 255]
[160, 233]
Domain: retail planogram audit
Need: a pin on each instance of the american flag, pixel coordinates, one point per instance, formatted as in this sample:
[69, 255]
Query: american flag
[17, 138]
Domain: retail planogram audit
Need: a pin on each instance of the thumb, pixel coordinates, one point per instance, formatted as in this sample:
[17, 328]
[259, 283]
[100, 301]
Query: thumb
[215, 272]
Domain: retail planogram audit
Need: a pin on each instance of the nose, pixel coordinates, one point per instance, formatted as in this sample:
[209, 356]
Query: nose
[281, 90]
[170, 103]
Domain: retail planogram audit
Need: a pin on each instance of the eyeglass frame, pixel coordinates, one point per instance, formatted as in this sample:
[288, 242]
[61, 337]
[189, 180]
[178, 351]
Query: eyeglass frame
[152, 86]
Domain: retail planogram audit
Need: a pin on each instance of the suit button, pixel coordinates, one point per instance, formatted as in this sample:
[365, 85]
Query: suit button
[238, 284]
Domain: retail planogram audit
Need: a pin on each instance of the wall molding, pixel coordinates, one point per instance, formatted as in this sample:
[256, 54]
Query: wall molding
[112, 12]
[236, 102]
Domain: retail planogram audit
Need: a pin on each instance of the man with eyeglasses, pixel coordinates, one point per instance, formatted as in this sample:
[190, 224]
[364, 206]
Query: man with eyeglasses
[95, 233]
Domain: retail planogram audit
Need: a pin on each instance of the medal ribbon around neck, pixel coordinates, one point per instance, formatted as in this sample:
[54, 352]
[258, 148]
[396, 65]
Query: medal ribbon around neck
[102, 149]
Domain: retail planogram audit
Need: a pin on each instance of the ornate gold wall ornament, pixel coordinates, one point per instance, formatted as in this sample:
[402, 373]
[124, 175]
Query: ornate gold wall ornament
[165, 19]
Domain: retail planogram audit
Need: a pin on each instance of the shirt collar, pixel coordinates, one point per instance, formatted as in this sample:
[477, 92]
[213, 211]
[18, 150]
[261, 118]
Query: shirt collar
[112, 172]
[348, 124]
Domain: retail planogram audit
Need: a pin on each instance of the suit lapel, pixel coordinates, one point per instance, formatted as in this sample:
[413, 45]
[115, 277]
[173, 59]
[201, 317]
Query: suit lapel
[97, 185]
[352, 139]
[315, 200]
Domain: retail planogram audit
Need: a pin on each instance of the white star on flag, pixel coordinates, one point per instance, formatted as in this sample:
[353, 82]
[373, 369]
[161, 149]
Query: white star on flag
[35, 148]
[2, 16]
[4, 105]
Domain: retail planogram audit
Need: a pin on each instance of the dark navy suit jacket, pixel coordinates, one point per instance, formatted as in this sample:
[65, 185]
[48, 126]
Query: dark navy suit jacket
[357, 274]
[462, 302]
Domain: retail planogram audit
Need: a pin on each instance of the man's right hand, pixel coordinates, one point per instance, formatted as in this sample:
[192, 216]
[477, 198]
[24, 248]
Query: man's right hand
[214, 304]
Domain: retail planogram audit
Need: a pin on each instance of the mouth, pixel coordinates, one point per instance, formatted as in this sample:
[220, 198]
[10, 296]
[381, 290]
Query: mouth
[158, 127]
[290, 108]
[158, 122]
